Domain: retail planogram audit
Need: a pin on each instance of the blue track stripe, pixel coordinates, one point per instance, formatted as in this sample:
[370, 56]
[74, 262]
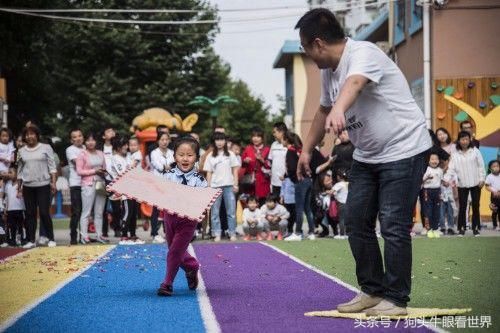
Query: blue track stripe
[118, 294]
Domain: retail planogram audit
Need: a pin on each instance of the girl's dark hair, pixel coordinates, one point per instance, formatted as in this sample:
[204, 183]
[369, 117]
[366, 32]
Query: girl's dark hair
[435, 141]
[160, 134]
[257, 131]
[320, 23]
[342, 174]
[318, 183]
[252, 198]
[31, 128]
[189, 140]
[6, 130]
[442, 129]
[491, 164]
[219, 136]
[293, 139]
[91, 135]
[280, 126]
[463, 134]
[272, 198]
[118, 142]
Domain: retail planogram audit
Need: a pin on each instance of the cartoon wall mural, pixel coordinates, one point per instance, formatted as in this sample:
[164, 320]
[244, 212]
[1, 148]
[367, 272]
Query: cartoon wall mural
[477, 100]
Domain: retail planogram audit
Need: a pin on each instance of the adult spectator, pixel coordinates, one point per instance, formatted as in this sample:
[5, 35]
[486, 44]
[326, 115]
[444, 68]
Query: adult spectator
[36, 176]
[467, 127]
[444, 140]
[256, 176]
[468, 165]
[277, 154]
[75, 182]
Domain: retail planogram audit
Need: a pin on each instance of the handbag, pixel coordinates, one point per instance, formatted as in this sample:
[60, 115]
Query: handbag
[248, 179]
[100, 187]
[333, 210]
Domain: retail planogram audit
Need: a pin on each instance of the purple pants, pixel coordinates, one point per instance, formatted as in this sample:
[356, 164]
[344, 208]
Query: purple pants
[179, 233]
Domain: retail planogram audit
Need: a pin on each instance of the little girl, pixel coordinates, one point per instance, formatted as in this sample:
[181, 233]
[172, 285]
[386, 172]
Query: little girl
[493, 185]
[340, 191]
[180, 231]
[432, 195]
[222, 172]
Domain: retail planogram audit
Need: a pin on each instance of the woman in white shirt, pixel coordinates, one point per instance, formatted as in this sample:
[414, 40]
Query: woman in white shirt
[222, 172]
[161, 159]
[468, 164]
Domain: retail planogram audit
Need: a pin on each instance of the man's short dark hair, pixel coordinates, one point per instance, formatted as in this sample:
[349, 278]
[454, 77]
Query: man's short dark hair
[464, 123]
[320, 23]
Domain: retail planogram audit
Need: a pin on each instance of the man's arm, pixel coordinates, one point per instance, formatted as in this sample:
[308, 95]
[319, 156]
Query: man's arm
[352, 87]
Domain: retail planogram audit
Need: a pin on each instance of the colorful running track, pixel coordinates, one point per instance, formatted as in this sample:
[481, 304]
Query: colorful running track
[245, 287]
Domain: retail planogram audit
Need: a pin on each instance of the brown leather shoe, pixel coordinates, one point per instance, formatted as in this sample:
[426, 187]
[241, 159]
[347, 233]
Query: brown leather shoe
[359, 303]
[386, 308]
[192, 279]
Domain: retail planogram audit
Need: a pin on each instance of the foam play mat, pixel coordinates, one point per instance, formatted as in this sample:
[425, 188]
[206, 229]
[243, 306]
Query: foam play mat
[412, 313]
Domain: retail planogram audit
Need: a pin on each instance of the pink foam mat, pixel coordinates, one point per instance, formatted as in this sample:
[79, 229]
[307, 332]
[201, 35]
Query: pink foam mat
[184, 201]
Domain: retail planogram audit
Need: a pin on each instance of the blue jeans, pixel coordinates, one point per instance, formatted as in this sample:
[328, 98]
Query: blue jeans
[389, 191]
[446, 215]
[303, 204]
[230, 203]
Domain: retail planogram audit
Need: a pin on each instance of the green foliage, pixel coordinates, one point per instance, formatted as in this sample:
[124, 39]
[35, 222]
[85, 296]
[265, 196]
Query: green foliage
[62, 75]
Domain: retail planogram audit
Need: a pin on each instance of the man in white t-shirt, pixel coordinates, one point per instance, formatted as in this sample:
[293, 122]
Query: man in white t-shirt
[364, 92]
[75, 182]
[277, 156]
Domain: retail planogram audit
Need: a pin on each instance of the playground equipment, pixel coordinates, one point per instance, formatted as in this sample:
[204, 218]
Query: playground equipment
[144, 128]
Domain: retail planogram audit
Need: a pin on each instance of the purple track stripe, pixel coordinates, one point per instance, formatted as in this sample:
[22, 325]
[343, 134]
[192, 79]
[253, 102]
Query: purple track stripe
[253, 288]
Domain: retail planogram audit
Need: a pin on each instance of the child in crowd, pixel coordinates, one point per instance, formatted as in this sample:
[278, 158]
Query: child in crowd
[123, 207]
[432, 195]
[236, 149]
[287, 195]
[493, 185]
[7, 150]
[180, 231]
[134, 155]
[107, 148]
[14, 206]
[340, 191]
[274, 217]
[448, 194]
[222, 172]
[252, 226]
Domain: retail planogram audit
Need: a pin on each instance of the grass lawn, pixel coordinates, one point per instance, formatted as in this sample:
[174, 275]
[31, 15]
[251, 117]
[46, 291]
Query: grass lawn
[447, 272]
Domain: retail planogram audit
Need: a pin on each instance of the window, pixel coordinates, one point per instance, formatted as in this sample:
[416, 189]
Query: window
[416, 17]
[400, 19]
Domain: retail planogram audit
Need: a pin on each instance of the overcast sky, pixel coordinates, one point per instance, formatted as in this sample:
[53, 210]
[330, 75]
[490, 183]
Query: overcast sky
[251, 53]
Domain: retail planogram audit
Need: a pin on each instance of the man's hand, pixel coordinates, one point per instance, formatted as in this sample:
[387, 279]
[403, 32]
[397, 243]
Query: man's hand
[53, 187]
[303, 165]
[481, 184]
[335, 121]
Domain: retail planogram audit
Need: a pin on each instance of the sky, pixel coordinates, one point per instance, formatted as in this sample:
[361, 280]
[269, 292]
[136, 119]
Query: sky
[251, 53]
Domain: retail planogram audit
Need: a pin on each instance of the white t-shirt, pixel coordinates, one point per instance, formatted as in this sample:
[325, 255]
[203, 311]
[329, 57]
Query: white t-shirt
[277, 156]
[221, 168]
[384, 123]
[437, 177]
[108, 153]
[251, 215]
[118, 165]
[340, 191]
[134, 158]
[493, 181]
[447, 191]
[72, 153]
[6, 151]
[13, 202]
[160, 159]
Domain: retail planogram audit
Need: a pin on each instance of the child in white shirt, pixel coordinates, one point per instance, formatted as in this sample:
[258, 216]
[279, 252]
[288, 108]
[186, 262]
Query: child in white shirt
[448, 193]
[432, 195]
[340, 191]
[252, 225]
[274, 217]
[134, 155]
[15, 208]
